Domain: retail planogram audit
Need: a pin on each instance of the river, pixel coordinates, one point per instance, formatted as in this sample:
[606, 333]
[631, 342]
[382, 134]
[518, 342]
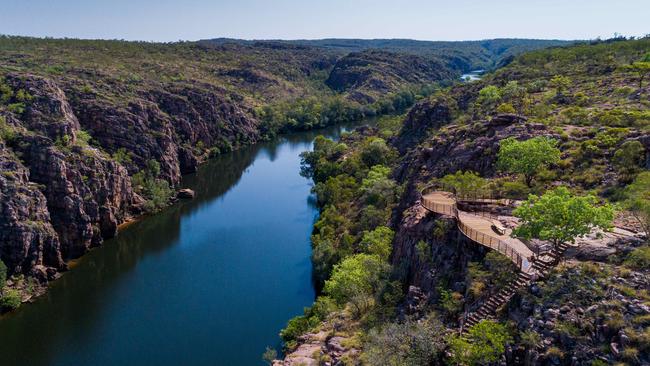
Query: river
[209, 281]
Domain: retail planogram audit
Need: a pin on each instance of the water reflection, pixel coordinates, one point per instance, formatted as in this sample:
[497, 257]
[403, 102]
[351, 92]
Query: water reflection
[206, 281]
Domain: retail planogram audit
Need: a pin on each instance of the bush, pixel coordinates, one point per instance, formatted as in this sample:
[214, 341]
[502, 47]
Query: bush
[464, 183]
[156, 191]
[3, 275]
[629, 157]
[488, 98]
[409, 343]
[485, 343]
[10, 299]
[296, 327]
[506, 108]
[269, 355]
[637, 200]
[450, 302]
[639, 258]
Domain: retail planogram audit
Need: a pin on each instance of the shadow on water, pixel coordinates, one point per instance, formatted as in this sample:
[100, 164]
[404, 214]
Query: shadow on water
[164, 279]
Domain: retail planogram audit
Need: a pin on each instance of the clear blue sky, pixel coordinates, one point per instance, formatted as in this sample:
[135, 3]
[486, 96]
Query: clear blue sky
[171, 20]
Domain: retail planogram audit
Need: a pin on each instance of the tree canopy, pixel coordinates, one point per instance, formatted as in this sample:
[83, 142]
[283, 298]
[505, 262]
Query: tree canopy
[527, 157]
[464, 183]
[560, 216]
[355, 275]
[378, 242]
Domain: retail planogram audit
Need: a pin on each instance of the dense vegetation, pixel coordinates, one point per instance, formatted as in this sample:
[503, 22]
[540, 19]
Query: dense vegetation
[582, 173]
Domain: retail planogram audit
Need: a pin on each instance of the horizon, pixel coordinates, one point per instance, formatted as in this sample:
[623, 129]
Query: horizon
[312, 39]
[255, 20]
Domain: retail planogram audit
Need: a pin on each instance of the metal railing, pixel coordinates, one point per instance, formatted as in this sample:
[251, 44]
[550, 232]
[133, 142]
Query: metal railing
[473, 234]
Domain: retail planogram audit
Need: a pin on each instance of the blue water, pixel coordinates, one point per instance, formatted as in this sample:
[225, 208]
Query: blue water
[472, 75]
[206, 282]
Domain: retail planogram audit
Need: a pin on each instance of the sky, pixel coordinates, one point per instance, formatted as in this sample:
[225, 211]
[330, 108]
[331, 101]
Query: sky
[173, 20]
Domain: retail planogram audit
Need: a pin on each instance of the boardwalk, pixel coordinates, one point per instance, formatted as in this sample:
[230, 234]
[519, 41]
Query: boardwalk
[478, 228]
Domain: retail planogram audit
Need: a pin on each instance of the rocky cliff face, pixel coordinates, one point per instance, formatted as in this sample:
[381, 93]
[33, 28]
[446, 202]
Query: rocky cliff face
[64, 189]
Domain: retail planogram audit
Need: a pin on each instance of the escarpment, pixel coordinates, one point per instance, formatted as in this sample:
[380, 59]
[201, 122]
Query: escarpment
[68, 159]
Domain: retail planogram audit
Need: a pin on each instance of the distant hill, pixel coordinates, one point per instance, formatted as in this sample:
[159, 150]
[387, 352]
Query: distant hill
[483, 54]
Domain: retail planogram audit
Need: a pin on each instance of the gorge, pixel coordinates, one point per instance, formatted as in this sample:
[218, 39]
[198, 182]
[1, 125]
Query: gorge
[356, 267]
[212, 278]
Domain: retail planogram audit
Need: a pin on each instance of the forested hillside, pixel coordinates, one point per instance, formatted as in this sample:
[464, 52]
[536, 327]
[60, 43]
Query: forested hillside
[554, 150]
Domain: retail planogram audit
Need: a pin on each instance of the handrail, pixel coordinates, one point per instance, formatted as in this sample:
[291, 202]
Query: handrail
[474, 235]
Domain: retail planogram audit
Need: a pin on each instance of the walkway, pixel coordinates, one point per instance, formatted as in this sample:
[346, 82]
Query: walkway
[478, 228]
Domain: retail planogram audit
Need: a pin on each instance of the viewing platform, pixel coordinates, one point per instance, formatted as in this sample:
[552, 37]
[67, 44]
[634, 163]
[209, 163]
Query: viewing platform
[480, 227]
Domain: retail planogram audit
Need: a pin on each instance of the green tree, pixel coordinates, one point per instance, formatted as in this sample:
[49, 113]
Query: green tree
[450, 302]
[629, 157]
[378, 242]
[377, 188]
[637, 200]
[485, 343]
[464, 183]
[527, 157]
[488, 98]
[561, 84]
[375, 151]
[10, 299]
[355, 278]
[516, 96]
[641, 68]
[561, 217]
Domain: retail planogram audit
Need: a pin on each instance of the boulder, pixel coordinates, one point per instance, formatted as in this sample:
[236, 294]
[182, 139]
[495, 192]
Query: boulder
[185, 193]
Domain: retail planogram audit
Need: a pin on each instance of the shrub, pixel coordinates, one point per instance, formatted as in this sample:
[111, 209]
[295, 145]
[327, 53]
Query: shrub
[485, 343]
[83, 137]
[3, 275]
[157, 191]
[629, 157]
[451, 302]
[639, 258]
[409, 343]
[464, 183]
[531, 339]
[10, 299]
[488, 98]
[269, 355]
[637, 200]
[506, 108]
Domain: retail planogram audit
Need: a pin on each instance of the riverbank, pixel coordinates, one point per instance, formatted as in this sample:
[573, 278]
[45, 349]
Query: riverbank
[198, 270]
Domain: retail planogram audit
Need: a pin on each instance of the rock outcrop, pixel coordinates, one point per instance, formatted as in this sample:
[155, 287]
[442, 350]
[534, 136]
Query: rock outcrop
[67, 163]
